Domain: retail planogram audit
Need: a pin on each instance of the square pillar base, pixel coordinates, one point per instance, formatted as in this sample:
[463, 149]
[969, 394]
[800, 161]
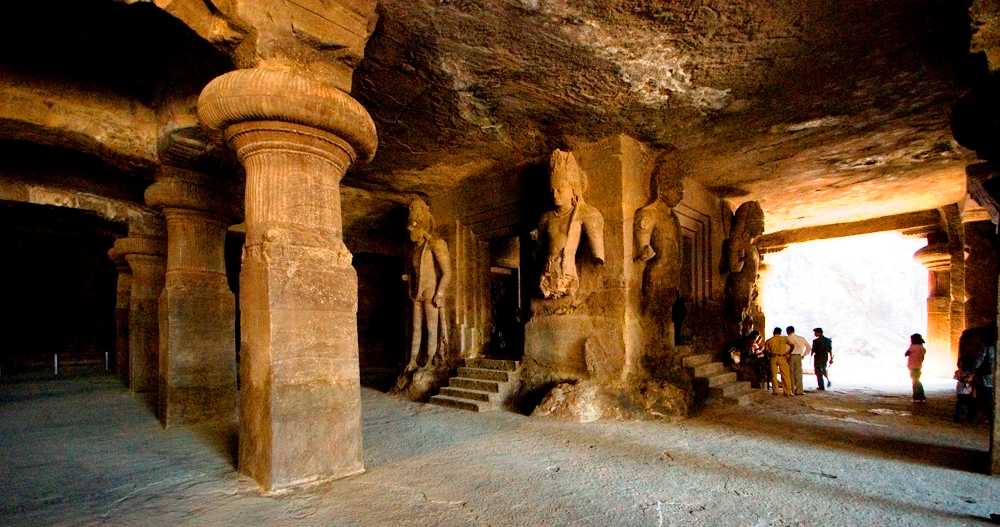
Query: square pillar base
[197, 349]
[300, 400]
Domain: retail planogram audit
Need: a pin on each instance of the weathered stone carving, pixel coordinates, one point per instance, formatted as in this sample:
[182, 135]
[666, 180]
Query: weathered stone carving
[562, 228]
[428, 275]
[658, 244]
[743, 260]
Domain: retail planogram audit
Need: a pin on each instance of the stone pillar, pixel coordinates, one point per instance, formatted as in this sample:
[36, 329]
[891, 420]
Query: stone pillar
[144, 254]
[124, 293]
[981, 269]
[197, 311]
[956, 250]
[300, 400]
[936, 257]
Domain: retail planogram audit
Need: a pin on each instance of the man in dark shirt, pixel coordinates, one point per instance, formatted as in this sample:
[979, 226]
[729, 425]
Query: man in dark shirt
[822, 350]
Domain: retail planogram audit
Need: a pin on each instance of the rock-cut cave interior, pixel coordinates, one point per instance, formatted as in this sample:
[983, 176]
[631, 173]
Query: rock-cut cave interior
[499, 262]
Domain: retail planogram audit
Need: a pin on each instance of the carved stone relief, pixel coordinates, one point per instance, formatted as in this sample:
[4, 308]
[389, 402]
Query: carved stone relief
[658, 245]
[428, 273]
[743, 265]
[560, 229]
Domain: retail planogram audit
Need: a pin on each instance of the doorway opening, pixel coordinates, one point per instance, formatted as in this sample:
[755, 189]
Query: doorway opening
[867, 293]
[506, 323]
[60, 290]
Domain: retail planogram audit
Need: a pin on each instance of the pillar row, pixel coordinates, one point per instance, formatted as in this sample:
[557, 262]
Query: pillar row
[197, 311]
[300, 400]
[144, 255]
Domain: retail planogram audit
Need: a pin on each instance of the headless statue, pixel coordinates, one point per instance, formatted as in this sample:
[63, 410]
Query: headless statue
[658, 245]
[744, 263]
[428, 271]
[563, 227]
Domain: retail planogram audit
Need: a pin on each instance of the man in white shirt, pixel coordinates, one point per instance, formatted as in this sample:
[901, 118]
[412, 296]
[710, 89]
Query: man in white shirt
[800, 348]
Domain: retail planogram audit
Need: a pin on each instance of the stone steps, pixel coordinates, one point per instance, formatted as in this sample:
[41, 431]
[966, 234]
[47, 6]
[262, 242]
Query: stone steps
[474, 384]
[709, 369]
[493, 364]
[474, 395]
[481, 385]
[484, 374]
[721, 378]
[731, 389]
[697, 360]
[461, 404]
[723, 385]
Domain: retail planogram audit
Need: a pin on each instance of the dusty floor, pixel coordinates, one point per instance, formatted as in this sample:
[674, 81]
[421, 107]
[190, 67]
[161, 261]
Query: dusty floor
[86, 452]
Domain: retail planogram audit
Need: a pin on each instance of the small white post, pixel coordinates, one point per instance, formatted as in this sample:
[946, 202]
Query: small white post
[55, 364]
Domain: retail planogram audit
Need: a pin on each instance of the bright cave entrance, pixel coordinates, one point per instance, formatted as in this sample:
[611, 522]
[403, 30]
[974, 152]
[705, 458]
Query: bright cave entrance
[868, 294]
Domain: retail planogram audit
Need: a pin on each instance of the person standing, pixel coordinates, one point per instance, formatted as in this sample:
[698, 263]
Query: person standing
[965, 401]
[800, 346]
[983, 369]
[779, 349]
[915, 360]
[822, 352]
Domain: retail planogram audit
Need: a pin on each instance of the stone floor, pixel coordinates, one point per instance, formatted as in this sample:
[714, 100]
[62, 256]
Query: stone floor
[85, 452]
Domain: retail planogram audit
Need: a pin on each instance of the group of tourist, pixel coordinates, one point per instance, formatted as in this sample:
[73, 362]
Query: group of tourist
[778, 361]
[776, 365]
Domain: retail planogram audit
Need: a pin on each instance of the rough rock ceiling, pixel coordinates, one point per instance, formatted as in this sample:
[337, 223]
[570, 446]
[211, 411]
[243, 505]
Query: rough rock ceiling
[825, 111]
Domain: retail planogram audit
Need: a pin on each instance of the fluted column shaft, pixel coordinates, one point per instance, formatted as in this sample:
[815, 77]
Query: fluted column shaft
[197, 311]
[300, 400]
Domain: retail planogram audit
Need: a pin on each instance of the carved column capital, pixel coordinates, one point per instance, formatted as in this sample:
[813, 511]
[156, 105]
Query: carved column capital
[118, 259]
[179, 188]
[935, 257]
[296, 137]
[139, 245]
[256, 98]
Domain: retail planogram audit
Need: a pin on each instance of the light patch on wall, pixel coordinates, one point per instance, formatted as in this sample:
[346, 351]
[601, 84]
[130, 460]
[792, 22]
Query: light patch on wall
[866, 292]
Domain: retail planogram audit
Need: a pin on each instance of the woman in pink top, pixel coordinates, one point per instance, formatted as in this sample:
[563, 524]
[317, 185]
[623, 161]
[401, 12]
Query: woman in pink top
[915, 360]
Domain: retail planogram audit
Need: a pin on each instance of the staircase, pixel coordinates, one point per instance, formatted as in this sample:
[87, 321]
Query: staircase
[482, 385]
[723, 388]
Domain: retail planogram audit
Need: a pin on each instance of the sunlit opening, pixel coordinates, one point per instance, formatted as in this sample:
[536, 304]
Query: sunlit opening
[866, 292]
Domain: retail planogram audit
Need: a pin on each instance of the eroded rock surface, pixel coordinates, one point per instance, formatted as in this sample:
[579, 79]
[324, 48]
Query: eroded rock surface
[841, 106]
[588, 401]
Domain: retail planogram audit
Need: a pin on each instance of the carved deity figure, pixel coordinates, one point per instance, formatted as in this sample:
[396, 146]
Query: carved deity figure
[562, 227]
[428, 272]
[744, 263]
[658, 243]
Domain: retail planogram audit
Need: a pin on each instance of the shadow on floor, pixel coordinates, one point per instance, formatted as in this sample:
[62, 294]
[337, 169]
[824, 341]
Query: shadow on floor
[897, 440]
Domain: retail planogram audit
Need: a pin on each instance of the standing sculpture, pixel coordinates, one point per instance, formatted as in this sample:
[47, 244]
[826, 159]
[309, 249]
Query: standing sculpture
[743, 266]
[658, 244]
[563, 227]
[428, 272]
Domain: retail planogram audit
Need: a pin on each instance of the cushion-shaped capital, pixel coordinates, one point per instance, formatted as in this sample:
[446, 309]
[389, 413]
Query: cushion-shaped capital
[273, 95]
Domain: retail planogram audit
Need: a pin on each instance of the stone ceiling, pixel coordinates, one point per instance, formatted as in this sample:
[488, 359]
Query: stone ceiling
[824, 111]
